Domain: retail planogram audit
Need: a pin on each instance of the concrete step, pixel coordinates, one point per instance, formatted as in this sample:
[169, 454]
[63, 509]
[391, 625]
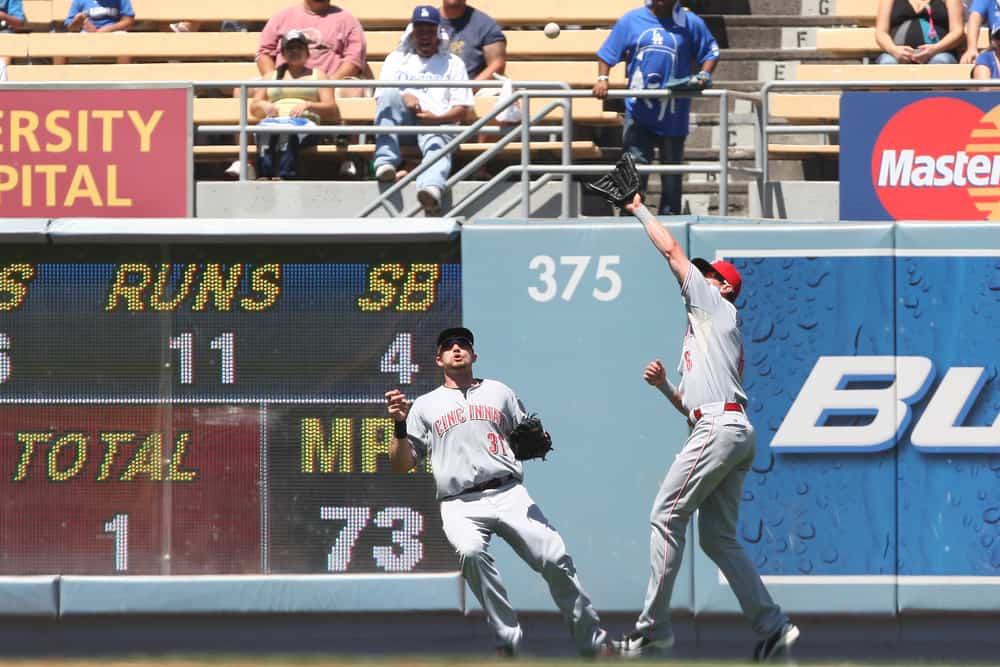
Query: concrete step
[717, 21]
[744, 7]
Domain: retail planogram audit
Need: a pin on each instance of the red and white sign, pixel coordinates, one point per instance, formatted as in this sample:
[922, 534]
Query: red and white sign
[95, 152]
[939, 159]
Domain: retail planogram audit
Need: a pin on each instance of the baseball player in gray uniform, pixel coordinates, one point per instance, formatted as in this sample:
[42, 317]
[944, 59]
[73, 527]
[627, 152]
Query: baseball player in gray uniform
[708, 473]
[463, 426]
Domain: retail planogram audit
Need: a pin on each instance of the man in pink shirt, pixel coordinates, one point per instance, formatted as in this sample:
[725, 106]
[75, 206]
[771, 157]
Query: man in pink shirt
[337, 40]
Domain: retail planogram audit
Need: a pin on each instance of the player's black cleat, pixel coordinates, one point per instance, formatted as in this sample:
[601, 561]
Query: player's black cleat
[778, 644]
[636, 644]
[506, 652]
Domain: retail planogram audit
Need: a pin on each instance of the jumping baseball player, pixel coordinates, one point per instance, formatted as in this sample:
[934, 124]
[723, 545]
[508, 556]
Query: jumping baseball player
[465, 426]
[708, 473]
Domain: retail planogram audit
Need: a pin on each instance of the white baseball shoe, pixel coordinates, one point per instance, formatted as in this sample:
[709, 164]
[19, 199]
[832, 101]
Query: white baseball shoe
[385, 173]
[778, 644]
[636, 644]
[430, 199]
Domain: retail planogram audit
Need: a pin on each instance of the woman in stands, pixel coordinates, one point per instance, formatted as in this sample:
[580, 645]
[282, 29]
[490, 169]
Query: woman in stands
[277, 154]
[917, 32]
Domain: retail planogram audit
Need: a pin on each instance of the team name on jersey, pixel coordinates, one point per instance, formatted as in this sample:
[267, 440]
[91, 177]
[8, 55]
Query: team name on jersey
[453, 418]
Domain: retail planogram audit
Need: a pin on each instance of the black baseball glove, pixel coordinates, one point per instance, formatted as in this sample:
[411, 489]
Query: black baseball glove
[620, 186]
[530, 440]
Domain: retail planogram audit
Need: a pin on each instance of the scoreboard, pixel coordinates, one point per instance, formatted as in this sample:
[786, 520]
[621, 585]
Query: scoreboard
[211, 408]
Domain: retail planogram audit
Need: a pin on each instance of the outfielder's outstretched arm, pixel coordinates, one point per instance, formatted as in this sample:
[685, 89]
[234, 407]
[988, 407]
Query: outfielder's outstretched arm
[661, 238]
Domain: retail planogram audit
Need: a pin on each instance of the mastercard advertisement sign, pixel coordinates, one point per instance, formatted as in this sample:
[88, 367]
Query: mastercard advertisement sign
[920, 156]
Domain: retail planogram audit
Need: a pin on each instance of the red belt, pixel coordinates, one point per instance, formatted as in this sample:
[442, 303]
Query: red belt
[728, 407]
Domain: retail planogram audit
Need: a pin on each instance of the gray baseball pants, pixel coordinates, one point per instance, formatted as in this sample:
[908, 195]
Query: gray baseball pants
[471, 519]
[707, 476]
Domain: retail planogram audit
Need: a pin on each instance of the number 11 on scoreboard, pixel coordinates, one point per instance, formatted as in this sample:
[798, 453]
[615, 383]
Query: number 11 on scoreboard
[118, 526]
[224, 343]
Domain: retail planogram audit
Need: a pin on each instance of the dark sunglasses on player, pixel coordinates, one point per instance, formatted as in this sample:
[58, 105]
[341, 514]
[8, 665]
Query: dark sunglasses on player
[449, 343]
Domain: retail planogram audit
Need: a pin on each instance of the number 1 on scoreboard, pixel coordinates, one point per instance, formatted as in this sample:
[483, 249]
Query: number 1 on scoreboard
[118, 526]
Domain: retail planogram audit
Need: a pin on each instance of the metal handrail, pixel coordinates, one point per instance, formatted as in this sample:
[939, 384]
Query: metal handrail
[765, 128]
[524, 91]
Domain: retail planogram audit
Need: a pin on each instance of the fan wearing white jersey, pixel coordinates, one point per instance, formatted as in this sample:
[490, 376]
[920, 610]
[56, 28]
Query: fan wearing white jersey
[708, 473]
[463, 426]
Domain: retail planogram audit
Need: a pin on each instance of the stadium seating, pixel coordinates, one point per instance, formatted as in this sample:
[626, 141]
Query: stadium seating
[382, 14]
[577, 74]
[13, 45]
[582, 150]
[226, 110]
[824, 107]
[521, 44]
[861, 41]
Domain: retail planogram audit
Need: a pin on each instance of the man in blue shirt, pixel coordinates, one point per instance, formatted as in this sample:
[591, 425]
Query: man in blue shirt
[979, 11]
[987, 66]
[100, 16]
[11, 19]
[475, 38]
[11, 15]
[661, 44]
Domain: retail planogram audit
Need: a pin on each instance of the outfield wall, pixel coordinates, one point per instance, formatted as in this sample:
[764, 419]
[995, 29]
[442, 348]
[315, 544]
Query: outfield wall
[871, 355]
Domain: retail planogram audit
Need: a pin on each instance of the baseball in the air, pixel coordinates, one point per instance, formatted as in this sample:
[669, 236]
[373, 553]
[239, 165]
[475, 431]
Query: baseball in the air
[551, 30]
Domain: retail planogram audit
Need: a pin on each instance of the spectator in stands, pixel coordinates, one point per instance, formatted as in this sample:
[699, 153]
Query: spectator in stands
[476, 39]
[660, 43]
[196, 26]
[337, 38]
[988, 62]
[11, 15]
[338, 49]
[980, 12]
[422, 55]
[100, 16]
[291, 107]
[918, 32]
[11, 18]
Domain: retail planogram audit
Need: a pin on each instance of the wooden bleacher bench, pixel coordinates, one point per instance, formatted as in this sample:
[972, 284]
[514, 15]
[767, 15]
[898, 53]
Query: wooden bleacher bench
[859, 10]
[809, 107]
[806, 107]
[525, 44]
[576, 74]
[798, 152]
[13, 45]
[824, 107]
[205, 45]
[39, 12]
[815, 72]
[860, 41]
[226, 110]
[581, 150]
[384, 13]
[521, 44]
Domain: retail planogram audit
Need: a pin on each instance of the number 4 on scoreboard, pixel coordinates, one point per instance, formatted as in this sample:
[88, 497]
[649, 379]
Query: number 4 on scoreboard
[399, 359]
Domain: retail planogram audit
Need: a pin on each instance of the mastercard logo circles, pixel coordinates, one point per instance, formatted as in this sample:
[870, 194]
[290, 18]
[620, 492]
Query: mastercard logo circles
[939, 159]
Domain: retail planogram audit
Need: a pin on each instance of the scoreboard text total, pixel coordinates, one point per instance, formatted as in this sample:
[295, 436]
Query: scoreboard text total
[209, 417]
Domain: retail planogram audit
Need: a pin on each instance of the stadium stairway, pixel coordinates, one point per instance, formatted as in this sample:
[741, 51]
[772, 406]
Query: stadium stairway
[761, 40]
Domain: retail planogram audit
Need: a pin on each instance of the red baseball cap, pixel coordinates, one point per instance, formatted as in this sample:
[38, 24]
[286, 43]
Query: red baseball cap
[723, 269]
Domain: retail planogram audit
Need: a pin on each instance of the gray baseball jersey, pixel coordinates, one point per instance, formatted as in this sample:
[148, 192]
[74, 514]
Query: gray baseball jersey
[711, 362]
[465, 431]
